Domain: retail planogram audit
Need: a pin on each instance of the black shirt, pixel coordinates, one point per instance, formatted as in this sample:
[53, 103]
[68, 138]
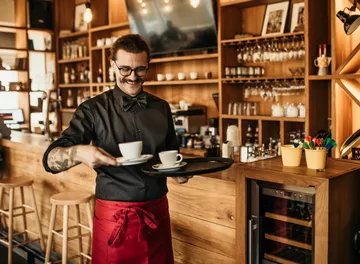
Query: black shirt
[104, 121]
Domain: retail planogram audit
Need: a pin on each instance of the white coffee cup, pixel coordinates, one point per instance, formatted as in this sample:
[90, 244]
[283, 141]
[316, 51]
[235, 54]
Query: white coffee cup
[131, 150]
[160, 77]
[169, 76]
[193, 75]
[170, 157]
[100, 42]
[181, 76]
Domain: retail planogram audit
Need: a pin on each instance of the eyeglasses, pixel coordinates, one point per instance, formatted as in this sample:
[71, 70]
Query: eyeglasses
[126, 71]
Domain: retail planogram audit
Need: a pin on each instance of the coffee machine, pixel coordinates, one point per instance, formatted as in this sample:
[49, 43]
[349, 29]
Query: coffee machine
[189, 120]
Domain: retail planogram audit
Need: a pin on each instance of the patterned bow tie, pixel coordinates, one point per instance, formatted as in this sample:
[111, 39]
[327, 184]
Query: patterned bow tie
[129, 101]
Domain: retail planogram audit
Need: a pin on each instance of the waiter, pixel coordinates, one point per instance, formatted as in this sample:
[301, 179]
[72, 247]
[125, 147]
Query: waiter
[131, 222]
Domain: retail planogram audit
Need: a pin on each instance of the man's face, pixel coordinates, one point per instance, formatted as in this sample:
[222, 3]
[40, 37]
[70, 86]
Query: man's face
[131, 84]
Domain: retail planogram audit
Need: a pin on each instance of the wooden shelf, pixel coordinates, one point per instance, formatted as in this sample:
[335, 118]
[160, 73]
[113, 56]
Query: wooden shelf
[13, 49]
[42, 51]
[185, 58]
[320, 77]
[101, 47]
[109, 27]
[14, 91]
[347, 76]
[278, 260]
[67, 110]
[233, 2]
[14, 70]
[269, 118]
[74, 34]
[259, 38]
[12, 27]
[288, 242]
[42, 30]
[74, 60]
[237, 80]
[74, 85]
[288, 219]
[185, 82]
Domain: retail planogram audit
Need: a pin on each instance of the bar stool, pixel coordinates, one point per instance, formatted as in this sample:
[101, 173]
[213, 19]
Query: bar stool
[66, 199]
[11, 183]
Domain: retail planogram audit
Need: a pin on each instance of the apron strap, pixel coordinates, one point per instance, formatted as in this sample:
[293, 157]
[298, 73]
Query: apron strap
[121, 217]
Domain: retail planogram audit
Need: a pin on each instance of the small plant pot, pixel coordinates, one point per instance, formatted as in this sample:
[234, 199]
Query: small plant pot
[316, 158]
[291, 156]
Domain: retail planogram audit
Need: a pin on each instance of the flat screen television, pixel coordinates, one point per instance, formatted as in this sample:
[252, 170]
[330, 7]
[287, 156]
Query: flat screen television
[172, 26]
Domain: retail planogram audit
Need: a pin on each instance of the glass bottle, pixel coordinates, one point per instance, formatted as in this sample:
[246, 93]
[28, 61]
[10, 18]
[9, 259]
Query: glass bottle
[66, 76]
[100, 75]
[73, 75]
[82, 74]
[111, 74]
[70, 99]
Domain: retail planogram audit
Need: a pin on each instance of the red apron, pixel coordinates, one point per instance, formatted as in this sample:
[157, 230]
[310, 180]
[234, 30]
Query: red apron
[132, 233]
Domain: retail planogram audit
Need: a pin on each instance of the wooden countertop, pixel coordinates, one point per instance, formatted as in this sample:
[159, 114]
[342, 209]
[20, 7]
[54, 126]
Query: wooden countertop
[267, 170]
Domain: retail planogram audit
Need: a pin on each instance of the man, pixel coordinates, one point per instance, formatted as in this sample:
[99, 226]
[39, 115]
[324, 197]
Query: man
[131, 222]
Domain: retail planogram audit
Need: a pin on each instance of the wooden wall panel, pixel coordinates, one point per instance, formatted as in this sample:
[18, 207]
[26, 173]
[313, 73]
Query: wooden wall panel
[117, 12]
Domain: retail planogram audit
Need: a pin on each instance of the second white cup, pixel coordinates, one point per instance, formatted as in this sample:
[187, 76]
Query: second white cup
[170, 157]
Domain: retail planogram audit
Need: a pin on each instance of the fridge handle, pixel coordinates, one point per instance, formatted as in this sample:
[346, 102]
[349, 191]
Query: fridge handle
[250, 231]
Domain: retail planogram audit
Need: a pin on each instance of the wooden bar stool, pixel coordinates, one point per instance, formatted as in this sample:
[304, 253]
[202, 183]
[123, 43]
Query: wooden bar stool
[12, 183]
[66, 199]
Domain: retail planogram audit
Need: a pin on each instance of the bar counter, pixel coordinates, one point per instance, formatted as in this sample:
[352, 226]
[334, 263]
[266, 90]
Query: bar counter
[208, 214]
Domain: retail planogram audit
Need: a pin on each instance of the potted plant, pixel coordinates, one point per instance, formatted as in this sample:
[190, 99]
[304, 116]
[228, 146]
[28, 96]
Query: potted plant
[316, 151]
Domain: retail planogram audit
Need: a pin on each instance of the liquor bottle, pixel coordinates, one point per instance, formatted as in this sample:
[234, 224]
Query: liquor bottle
[70, 100]
[87, 73]
[66, 76]
[111, 74]
[73, 75]
[100, 75]
[79, 98]
[80, 50]
[82, 74]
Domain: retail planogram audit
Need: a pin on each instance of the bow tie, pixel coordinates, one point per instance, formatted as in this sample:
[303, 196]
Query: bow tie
[129, 101]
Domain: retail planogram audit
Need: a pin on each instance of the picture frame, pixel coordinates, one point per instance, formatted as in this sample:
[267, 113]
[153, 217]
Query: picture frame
[79, 22]
[297, 17]
[275, 18]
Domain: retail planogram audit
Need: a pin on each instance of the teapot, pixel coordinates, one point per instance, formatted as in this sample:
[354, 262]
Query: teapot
[322, 63]
[302, 110]
[292, 111]
[277, 110]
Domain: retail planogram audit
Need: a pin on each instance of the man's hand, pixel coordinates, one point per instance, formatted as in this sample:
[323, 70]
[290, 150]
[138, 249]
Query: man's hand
[182, 180]
[61, 159]
[94, 157]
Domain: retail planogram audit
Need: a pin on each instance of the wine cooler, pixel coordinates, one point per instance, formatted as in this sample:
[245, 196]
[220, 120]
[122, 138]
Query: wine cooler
[280, 223]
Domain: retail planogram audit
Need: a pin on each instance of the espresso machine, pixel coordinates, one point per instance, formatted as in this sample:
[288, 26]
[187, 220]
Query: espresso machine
[189, 120]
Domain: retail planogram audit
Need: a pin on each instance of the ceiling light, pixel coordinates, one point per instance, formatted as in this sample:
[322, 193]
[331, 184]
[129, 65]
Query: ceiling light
[194, 3]
[351, 22]
[143, 4]
[88, 14]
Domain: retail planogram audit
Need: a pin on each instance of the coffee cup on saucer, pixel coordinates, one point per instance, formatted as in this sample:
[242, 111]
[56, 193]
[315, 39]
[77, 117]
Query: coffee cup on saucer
[193, 75]
[131, 150]
[170, 158]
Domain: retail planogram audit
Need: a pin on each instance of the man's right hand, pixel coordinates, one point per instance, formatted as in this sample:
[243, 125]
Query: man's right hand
[94, 157]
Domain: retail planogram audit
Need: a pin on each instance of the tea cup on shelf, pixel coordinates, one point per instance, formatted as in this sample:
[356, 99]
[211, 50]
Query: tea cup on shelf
[160, 77]
[302, 110]
[108, 41]
[193, 75]
[277, 110]
[169, 76]
[292, 111]
[100, 42]
[181, 76]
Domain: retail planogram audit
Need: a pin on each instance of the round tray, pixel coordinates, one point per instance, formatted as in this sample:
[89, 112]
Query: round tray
[196, 166]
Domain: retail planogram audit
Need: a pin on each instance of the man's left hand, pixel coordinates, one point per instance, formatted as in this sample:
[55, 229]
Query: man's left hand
[182, 180]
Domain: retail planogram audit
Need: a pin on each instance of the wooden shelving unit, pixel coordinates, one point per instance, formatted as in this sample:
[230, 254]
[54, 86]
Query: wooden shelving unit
[74, 85]
[74, 34]
[259, 38]
[278, 260]
[272, 78]
[288, 241]
[185, 58]
[177, 82]
[288, 219]
[269, 118]
[74, 60]
[110, 27]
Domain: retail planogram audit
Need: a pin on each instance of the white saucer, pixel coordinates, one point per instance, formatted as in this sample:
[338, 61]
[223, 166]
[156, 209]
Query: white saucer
[161, 167]
[142, 159]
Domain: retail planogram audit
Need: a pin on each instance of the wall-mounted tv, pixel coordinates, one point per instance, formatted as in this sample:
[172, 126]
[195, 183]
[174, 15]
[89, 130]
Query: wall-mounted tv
[172, 26]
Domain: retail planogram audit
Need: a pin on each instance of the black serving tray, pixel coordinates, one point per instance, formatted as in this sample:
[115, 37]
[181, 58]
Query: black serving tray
[195, 166]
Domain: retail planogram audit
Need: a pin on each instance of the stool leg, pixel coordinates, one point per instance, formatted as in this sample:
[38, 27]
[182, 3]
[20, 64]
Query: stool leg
[90, 216]
[42, 245]
[77, 218]
[2, 207]
[23, 211]
[50, 236]
[10, 232]
[65, 234]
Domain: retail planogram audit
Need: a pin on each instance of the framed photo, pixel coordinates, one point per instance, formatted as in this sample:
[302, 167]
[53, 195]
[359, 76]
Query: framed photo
[297, 17]
[79, 23]
[275, 18]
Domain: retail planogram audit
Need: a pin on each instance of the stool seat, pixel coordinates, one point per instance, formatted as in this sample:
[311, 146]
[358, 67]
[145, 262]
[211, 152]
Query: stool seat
[70, 198]
[13, 182]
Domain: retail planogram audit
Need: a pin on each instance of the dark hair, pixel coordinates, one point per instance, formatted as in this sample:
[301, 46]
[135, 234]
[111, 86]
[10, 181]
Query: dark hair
[132, 43]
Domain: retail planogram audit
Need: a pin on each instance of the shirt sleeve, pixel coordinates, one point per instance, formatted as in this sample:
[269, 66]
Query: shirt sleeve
[80, 132]
[171, 138]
